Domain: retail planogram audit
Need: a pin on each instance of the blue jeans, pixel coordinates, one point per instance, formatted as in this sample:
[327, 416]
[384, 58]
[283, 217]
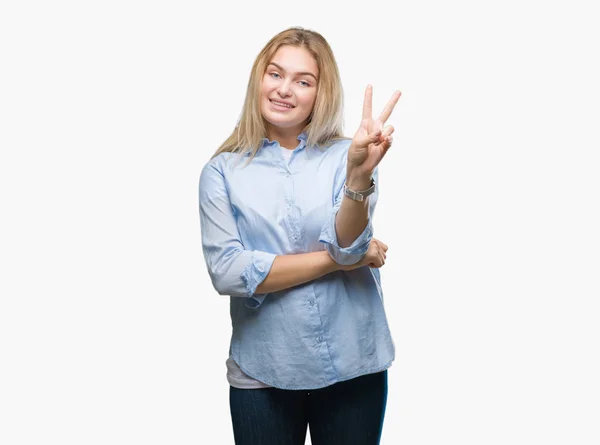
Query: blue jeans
[345, 413]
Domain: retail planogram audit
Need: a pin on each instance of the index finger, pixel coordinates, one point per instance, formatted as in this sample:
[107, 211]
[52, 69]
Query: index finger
[368, 103]
[387, 111]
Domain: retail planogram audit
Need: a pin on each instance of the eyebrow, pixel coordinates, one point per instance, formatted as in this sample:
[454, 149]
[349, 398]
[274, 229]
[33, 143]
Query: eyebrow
[303, 73]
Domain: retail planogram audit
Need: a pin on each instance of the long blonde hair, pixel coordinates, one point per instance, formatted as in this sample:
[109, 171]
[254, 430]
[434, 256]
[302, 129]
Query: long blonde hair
[326, 120]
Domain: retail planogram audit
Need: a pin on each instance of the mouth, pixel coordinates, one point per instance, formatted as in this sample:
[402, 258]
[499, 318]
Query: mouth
[282, 105]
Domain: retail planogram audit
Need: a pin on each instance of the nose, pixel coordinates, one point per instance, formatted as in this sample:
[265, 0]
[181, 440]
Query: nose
[284, 89]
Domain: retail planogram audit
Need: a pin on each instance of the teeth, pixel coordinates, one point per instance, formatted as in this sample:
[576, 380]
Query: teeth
[282, 104]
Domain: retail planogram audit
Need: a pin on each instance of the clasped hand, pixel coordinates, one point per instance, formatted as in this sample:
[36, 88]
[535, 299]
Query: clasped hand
[374, 258]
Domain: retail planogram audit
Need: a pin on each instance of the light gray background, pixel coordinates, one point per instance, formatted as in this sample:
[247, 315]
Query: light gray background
[110, 331]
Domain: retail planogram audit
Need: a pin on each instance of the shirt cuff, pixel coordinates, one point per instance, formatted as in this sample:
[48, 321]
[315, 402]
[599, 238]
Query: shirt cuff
[346, 255]
[255, 273]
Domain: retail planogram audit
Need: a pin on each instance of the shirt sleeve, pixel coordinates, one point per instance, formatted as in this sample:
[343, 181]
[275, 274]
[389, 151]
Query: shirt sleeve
[359, 247]
[233, 270]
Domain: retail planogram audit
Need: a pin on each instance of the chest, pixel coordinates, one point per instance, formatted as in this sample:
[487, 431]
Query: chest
[282, 201]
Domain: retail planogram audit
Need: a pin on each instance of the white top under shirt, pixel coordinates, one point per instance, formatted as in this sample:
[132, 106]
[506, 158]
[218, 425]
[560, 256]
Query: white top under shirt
[235, 376]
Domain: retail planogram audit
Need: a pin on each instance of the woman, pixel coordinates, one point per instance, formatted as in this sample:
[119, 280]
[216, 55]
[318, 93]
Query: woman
[287, 234]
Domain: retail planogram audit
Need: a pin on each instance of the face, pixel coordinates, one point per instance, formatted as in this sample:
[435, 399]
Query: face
[289, 89]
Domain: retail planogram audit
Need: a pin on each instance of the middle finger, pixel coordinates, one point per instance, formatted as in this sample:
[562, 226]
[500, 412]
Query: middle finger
[387, 111]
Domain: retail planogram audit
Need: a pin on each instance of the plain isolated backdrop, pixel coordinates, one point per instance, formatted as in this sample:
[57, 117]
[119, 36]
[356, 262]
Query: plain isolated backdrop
[110, 330]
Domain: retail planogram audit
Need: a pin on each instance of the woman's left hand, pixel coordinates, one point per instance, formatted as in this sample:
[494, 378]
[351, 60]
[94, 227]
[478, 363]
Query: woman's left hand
[372, 140]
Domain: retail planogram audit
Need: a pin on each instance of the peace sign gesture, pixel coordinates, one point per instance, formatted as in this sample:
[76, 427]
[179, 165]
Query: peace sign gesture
[372, 140]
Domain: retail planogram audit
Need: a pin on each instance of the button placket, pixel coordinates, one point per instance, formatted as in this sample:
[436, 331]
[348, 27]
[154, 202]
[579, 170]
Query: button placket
[291, 210]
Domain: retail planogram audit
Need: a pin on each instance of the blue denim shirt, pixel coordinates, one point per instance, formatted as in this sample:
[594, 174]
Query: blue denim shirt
[309, 336]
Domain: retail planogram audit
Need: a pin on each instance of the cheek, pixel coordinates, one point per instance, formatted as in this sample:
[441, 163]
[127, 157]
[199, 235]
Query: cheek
[266, 87]
[308, 99]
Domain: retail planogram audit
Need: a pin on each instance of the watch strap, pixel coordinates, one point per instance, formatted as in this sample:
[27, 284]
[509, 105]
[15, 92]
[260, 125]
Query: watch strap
[359, 195]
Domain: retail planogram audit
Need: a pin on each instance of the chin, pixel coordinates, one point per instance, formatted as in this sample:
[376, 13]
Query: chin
[280, 121]
[274, 120]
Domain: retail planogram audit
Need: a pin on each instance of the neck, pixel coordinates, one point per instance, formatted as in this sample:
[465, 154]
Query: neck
[287, 137]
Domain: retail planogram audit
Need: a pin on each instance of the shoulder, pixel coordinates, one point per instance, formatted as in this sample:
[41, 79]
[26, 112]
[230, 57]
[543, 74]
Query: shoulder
[221, 163]
[216, 169]
[336, 151]
[338, 146]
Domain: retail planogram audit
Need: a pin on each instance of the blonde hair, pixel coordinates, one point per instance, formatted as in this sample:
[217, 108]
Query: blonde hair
[326, 120]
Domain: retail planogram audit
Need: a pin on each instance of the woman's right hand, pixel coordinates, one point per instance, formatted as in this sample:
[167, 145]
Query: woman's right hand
[375, 256]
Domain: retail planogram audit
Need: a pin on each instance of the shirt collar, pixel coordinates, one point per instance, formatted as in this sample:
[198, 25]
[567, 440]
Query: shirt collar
[301, 137]
[265, 142]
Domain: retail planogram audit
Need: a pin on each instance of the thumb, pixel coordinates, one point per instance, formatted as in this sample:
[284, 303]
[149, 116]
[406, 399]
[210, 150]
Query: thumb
[374, 136]
[368, 139]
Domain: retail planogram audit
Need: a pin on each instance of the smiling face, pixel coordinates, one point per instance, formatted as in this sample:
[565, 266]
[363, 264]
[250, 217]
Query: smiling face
[288, 90]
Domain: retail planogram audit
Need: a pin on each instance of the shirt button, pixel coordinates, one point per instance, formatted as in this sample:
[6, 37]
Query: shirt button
[320, 339]
[311, 302]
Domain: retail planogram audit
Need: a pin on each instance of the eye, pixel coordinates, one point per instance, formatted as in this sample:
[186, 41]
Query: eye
[304, 83]
[274, 74]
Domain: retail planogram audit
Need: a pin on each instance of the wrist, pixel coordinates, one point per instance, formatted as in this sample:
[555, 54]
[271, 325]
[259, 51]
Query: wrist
[330, 264]
[358, 181]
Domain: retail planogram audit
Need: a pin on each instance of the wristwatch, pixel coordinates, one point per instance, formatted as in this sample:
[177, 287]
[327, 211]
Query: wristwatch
[359, 196]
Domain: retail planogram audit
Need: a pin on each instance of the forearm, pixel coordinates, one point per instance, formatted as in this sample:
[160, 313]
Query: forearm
[353, 216]
[291, 270]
